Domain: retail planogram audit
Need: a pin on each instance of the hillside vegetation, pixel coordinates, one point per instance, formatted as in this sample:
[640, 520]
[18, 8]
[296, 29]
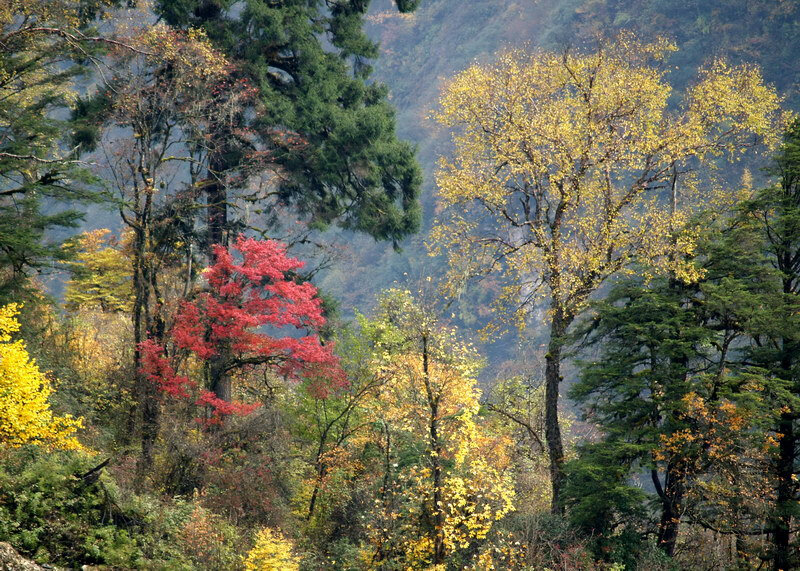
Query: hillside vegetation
[412, 284]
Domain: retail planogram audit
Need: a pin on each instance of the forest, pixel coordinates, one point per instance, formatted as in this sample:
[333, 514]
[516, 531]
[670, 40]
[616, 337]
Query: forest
[399, 285]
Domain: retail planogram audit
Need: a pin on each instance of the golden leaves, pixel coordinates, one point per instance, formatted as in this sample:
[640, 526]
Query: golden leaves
[567, 167]
[25, 414]
[271, 552]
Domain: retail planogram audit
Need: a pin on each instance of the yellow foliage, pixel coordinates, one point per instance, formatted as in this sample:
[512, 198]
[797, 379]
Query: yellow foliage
[25, 414]
[271, 552]
[565, 165]
[101, 273]
[430, 396]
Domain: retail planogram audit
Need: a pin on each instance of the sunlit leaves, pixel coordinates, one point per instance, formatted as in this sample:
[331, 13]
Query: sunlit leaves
[450, 496]
[564, 163]
[25, 413]
[271, 552]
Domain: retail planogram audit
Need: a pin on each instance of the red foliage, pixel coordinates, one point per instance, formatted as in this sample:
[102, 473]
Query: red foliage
[227, 323]
[160, 371]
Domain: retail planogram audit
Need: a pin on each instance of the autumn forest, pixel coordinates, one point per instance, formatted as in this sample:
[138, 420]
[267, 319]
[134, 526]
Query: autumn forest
[399, 285]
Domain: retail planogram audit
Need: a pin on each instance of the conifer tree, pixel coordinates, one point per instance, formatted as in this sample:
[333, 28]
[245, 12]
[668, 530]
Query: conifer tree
[328, 130]
[679, 399]
[42, 48]
[775, 213]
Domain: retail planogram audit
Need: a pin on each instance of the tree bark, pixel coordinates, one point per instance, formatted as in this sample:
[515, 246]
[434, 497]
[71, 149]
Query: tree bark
[785, 499]
[144, 324]
[217, 205]
[140, 302]
[785, 493]
[671, 503]
[220, 380]
[436, 461]
[785, 468]
[553, 379]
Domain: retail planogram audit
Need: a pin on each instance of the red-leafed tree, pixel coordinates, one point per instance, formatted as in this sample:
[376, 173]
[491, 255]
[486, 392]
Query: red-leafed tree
[230, 326]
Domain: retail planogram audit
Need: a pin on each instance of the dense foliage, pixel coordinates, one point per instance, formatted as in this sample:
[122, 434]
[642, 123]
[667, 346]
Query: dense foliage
[183, 385]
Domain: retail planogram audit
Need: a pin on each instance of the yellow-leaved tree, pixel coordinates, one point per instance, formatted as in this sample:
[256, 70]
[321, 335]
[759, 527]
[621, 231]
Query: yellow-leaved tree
[25, 414]
[271, 552]
[567, 167]
[445, 481]
[100, 273]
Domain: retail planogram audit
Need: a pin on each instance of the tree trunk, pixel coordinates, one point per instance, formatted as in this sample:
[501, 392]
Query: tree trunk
[145, 460]
[670, 511]
[785, 471]
[436, 450]
[216, 202]
[220, 380]
[146, 393]
[553, 378]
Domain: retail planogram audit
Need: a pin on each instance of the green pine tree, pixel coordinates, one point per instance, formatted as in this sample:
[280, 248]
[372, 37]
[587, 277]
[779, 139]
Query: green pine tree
[775, 213]
[678, 400]
[43, 46]
[328, 130]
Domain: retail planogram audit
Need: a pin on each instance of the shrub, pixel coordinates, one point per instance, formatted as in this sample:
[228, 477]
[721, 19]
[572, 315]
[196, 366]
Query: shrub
[271, 552]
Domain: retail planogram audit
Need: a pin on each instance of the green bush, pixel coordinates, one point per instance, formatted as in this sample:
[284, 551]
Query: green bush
[51, 513]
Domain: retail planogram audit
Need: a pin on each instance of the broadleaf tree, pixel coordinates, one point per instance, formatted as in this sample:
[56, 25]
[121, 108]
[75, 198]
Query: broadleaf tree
[445, 480]
[567, 167]
[250, 286]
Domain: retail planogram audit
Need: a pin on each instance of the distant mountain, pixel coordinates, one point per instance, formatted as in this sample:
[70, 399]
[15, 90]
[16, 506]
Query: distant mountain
[420, 51]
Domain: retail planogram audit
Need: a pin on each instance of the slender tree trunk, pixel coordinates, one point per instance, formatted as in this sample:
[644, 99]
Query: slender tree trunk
[321, 469]
[438, 492]
[438, 495]
[140, 301]
[217, 204]
[146, 393]
[216, 201]
[148, 321]
[553, 378]
[785, 501]
[785, 493]
[671, 505]
[787, 450]
[436, 460]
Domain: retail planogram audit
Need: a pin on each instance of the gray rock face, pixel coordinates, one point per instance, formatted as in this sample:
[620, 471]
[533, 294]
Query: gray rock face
[10, 560]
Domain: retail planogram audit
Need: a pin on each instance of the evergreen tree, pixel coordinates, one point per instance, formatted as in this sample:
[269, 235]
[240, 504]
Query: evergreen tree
[42, 48]
[327, 129]
[678, 400]
[775, 212]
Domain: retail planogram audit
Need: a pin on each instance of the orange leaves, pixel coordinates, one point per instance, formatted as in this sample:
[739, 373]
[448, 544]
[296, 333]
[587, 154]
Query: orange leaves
[713, 431]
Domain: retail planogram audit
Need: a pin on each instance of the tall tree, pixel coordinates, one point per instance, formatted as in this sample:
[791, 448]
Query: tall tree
[559, 169]
[330, 131]
[775, 211]
[150, 125]
[674, 398]
[43, 48]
